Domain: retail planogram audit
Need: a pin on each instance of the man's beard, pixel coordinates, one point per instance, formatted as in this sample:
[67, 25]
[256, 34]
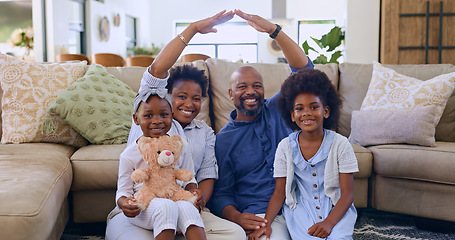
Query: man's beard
[253, 112]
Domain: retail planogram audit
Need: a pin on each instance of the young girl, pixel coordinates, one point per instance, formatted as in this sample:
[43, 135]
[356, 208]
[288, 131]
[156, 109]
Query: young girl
[153, 113]
[313, 166]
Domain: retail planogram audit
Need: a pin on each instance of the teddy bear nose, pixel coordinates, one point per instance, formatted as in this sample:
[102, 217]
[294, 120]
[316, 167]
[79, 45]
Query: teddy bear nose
[168, 153]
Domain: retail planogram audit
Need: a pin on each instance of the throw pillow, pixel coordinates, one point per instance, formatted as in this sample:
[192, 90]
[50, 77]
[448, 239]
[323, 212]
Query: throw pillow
[28, 88]
[391, 90]
[384, 126]
[98, 106]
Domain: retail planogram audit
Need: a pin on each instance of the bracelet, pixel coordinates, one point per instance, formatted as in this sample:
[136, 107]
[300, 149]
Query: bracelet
[277, 30]
[183, 39]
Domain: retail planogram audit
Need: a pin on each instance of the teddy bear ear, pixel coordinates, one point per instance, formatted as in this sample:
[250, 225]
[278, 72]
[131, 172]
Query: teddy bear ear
[144, 140]
[176, 138]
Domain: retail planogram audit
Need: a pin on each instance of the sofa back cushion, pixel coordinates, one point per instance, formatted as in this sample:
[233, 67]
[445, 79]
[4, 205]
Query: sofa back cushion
[273, 76]
[130, 75]
[354, 82]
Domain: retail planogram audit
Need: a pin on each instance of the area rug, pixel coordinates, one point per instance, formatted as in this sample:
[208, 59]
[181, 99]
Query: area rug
[84, 231]
[371, 225]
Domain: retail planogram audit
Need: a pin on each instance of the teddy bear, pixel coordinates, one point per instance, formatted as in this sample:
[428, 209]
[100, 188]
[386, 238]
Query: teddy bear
[159, 177]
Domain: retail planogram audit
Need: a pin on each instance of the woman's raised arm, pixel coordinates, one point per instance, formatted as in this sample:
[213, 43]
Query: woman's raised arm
[171, 52]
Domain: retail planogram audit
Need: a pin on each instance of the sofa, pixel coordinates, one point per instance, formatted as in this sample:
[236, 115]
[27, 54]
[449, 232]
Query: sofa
[43, 184]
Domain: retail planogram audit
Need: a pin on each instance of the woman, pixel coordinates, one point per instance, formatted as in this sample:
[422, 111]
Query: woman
[187, 85]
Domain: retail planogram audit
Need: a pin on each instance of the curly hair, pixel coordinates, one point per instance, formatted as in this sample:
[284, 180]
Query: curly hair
[309, 81]
[187, 73]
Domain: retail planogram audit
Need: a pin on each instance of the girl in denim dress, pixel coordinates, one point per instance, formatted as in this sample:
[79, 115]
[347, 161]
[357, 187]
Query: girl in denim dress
[314, 165]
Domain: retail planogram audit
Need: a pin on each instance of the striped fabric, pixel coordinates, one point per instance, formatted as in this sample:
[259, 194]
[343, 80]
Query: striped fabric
[201, 140]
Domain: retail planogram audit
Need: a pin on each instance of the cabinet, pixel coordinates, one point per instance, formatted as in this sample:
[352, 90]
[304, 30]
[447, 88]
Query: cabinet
[417, 31]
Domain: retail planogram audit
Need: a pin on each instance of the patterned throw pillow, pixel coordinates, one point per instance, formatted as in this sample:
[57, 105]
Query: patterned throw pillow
[28, 88]
[98, 106]
[391, 90]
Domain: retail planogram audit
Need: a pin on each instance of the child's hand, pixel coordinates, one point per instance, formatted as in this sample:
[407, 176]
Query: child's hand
[321, 229]
[267, 230]
[200, 201]
[130, 210]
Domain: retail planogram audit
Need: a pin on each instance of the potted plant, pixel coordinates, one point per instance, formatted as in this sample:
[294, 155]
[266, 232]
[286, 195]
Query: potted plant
[328, 42]
[23, 38]
[153, 50]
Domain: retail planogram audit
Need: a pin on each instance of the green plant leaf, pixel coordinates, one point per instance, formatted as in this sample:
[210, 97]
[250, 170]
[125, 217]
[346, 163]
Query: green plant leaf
[318, 42]
[306, 47]
[335, 56]
[321, 59]
[333, 38]
[329, 41]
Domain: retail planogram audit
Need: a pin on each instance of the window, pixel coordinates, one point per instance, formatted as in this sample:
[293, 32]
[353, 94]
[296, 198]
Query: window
[76, 34]
[234, 41]
[131, 34]
[315, 29]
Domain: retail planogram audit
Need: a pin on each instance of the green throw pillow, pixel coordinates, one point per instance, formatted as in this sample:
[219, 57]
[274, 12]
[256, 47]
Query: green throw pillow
[98, 106]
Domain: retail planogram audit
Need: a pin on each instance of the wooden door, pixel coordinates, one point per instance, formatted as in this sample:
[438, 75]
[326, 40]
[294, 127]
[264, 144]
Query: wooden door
[417, 31]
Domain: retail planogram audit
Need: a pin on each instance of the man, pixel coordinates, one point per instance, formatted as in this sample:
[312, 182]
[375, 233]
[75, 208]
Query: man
[245, 147]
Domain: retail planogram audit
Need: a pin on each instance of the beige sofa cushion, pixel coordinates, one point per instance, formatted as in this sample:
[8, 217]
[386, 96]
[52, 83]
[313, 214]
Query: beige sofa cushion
[95, 167]
[417, 198]
[354, 82]
[130, 75]
[431, 164]
[364, 160]
[386, 126]
[273, 76]
[37, 178]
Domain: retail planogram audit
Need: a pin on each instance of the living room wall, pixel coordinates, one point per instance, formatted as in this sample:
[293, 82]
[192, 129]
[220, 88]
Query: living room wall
[117, 41]
[156, 20]
[189, 11]
[57, 23]
[359, 18]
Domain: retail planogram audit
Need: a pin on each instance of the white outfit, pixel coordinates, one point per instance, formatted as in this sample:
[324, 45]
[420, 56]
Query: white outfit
[216, 228]
[279, 228]
[161, 213]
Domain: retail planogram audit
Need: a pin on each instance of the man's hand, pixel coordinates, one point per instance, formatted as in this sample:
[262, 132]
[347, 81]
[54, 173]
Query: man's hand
[207, 25]
[250, 222]
[130, 210]
[321, 229]
[257, 22]
[200, 201]
[259, 232]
